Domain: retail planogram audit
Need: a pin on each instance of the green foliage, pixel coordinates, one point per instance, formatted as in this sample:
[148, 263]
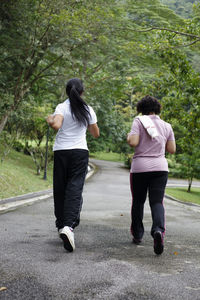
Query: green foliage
[128, 160]
[175, 168]
[181, 7]
[112, 46]
[43, 39]
[28, 129]
[109, 156]
[152, 13]
[179, 90]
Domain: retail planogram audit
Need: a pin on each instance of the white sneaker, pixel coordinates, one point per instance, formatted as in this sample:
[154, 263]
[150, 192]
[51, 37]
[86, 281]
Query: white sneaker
[67, 236]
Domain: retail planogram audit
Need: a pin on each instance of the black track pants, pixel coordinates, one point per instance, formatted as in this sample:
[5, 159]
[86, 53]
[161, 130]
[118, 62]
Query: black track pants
[154, 183]
[70, 168]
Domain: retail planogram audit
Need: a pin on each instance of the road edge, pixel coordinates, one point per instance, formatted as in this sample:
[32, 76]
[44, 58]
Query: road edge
[10, 204]
[182, 202]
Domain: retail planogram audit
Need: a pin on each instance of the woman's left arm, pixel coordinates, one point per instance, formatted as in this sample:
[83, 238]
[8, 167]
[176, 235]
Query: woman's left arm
[94, 130]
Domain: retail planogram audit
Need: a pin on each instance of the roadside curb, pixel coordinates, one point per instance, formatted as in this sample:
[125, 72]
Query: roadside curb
[182, 202]
[13, 203]
[92, 171]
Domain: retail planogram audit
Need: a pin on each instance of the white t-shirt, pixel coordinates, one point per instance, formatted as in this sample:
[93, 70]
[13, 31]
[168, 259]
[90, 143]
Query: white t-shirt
[72, 135]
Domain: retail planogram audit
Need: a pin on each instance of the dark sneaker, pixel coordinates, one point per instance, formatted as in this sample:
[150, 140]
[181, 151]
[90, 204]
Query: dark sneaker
[158, 242]
[137, 241]
[67, 236]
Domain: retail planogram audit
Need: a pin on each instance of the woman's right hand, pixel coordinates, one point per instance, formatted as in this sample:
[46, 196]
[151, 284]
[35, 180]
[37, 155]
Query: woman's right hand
[55, 121]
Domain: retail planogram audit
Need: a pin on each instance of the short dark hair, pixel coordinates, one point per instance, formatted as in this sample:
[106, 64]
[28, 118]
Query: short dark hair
[148, 105]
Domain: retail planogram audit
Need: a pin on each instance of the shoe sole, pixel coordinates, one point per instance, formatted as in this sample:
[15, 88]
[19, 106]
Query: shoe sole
[159, 245]
[66, 242]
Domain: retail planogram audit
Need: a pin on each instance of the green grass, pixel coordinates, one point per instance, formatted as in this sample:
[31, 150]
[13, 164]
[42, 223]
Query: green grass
[18, 173]
[18, 176]
[183, 195]
[109, 156]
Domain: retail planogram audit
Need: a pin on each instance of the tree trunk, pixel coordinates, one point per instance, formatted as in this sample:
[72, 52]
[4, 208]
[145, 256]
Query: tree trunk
[17, 100]
[189, 185]
[4, 121]
[34, 157]
[38, 170]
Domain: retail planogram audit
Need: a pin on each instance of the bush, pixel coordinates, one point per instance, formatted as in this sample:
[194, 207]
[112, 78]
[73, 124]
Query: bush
[128, 160]
[18, 146]
[174, 168]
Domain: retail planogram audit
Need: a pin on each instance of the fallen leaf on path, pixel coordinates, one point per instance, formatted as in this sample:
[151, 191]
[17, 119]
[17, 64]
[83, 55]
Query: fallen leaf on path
[175, 253]
[3, 288]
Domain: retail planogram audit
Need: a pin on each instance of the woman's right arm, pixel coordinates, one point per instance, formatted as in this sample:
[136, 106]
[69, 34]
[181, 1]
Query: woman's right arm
[55, 121]
[133, 137]
[133, 140]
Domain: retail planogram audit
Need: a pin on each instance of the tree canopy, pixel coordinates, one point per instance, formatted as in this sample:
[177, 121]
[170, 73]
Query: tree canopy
[121, 49]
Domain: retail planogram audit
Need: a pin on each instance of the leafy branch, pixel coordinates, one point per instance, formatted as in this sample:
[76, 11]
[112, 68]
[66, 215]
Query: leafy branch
[170, 30]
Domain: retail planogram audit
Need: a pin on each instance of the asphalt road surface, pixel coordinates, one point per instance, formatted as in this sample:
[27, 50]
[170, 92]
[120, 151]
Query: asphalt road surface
[106, 264]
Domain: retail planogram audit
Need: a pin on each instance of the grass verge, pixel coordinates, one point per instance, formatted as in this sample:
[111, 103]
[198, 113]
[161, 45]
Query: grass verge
[183, 195]
[18, 176]
[18, 173]
[109, 156]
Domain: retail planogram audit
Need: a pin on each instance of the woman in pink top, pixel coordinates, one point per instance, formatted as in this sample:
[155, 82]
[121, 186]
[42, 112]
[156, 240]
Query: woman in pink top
[149, 169]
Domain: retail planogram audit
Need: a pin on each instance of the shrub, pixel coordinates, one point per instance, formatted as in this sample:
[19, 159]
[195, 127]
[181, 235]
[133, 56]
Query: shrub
[18, 146]
[128, 160]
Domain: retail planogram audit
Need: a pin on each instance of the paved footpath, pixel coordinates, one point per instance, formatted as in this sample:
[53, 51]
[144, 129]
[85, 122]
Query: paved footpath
[105, 264]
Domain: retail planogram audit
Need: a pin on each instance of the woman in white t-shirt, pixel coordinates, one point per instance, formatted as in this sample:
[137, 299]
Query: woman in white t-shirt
[71, 118]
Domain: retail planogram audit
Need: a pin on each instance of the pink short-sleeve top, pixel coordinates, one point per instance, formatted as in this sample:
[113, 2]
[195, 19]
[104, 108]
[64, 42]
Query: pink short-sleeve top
[149, 154]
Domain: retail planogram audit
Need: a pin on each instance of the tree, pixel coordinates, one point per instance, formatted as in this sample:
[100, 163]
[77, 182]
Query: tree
[105, 43]
[179, 91]
[181, 7]
[39, 38]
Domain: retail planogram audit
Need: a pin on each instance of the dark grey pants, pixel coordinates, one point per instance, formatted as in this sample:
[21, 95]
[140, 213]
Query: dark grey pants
[154, 183]
[70, 169]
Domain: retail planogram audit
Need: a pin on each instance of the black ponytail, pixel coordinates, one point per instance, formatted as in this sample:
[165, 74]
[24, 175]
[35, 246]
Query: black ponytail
[79, 109]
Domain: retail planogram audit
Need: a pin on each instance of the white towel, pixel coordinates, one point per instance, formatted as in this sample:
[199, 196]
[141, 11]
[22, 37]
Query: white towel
[148, 125]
